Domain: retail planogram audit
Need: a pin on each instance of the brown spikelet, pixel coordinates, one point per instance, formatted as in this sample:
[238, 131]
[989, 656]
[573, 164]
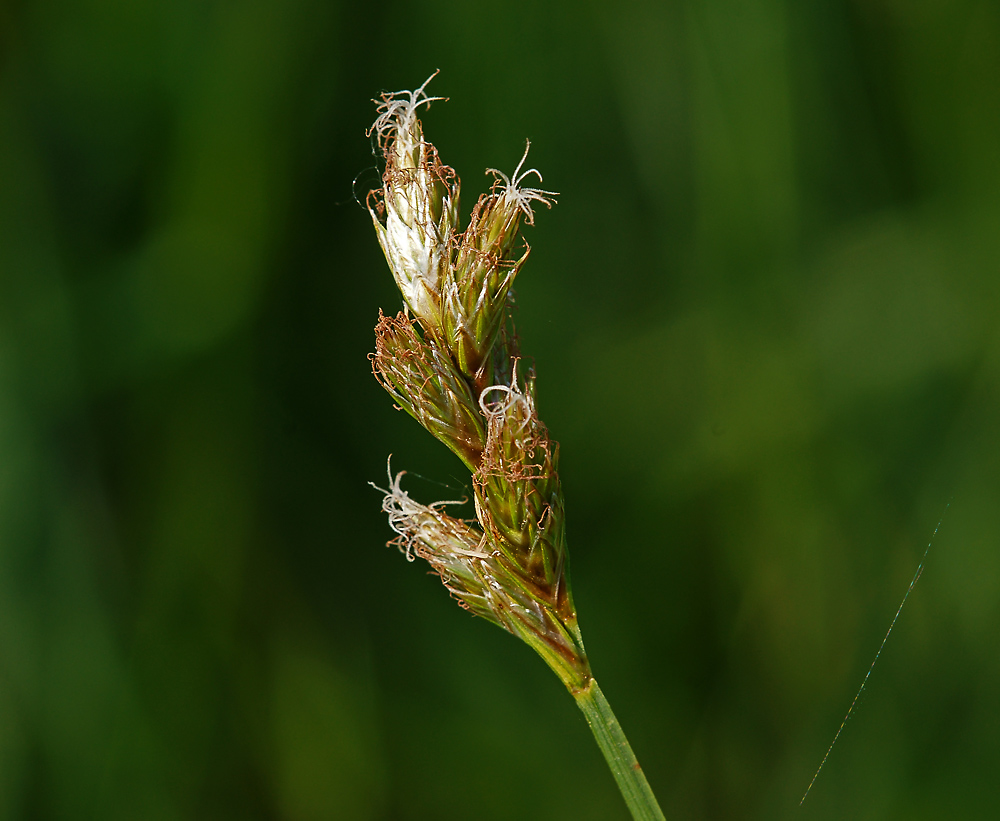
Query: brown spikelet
[422, 379]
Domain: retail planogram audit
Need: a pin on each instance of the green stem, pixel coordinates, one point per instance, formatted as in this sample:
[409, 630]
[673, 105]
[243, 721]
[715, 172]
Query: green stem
[610, 738]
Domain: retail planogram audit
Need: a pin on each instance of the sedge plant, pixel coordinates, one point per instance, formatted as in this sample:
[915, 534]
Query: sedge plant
[450, 359]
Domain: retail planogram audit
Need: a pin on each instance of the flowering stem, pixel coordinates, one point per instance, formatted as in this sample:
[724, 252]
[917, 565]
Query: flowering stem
[617, 752]
[451, 361]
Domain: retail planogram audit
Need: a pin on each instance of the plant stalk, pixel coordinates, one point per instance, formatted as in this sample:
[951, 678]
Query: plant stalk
[617, 752]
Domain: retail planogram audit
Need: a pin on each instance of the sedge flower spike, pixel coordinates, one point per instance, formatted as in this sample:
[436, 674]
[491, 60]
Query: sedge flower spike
[450, 359]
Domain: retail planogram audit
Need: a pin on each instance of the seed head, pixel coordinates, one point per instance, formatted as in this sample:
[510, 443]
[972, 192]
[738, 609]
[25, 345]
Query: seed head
[454, 368]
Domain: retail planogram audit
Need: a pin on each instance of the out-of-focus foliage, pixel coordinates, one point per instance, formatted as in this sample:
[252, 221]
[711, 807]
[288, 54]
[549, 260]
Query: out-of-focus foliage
[764, 318]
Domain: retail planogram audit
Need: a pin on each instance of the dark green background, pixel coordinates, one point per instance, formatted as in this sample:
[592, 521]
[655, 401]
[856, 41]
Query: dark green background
[764, 319]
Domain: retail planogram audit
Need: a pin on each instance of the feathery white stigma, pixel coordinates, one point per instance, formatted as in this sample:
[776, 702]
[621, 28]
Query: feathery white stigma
[397, 110]
[419, 524]
[518, 197]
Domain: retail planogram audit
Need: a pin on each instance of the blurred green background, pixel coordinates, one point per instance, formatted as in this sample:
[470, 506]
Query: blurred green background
[764, 319]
